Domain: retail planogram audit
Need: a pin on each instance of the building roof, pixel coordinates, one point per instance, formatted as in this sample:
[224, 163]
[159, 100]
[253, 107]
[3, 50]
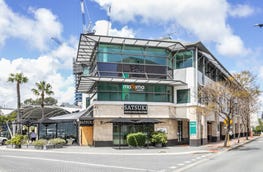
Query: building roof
[203, 50]
[35, 112]
[88, 43]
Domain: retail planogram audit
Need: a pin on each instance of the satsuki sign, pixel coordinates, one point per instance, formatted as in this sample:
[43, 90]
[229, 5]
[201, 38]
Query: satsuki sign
[135, 109]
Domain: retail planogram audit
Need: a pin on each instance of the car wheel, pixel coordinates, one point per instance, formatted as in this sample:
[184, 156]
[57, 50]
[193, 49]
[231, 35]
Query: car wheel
[3, 142]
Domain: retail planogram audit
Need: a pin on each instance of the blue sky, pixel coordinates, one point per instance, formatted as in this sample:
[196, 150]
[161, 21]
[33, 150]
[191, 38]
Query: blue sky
[26, 28]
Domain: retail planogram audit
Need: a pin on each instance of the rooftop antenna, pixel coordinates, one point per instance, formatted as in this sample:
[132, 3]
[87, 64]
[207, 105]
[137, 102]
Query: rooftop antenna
[85, 28]
[109, 21]
[168, 36]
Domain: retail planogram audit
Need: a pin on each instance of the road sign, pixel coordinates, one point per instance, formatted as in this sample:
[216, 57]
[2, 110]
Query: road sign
[225, 121]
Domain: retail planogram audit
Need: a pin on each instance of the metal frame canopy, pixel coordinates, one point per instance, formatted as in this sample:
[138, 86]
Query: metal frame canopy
[205, 52]
[89, 42]
[87, 82]
[87, 48]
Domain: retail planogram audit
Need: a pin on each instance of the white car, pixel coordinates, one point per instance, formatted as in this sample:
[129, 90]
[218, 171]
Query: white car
[3, 140]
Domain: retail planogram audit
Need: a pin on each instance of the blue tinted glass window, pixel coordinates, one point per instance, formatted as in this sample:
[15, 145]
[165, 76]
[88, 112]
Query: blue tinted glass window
[184, 59]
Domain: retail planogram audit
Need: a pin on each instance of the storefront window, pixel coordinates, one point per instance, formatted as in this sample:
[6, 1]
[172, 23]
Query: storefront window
[120, 132]
[183, 96]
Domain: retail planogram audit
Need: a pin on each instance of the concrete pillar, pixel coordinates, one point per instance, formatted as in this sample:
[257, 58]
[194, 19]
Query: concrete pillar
[214, 131]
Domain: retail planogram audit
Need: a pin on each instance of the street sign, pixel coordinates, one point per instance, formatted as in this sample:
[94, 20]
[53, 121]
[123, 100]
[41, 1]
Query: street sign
[225, 121]
[192, 126]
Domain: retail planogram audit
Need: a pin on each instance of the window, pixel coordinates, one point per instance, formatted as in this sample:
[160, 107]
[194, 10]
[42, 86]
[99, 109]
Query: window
[183, 96]
[134, 92]
[184, 59]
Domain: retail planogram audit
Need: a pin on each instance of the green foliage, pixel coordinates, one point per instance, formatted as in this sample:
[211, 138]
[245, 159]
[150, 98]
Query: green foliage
[136, 139]
[159, 137]
[40, 142]
[9, 118]
[17, 139]
[57, 141]
[47, 101]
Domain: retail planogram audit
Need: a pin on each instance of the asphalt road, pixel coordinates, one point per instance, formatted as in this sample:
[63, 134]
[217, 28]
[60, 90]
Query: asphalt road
[246, 158]
[26, 161]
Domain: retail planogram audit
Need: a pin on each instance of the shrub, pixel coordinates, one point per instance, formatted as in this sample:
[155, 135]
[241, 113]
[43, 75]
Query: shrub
[159, 138]
[17, 139]
[57, 141]
[40, 142]
[136, 139]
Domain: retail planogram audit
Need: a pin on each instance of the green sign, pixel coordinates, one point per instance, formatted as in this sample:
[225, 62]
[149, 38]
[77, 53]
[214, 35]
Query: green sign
[192, 126]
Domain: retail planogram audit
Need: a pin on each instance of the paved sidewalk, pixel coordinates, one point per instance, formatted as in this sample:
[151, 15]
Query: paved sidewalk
[171, 150]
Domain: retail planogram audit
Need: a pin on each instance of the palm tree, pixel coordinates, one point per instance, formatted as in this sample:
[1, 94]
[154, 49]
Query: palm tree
[42, 89]
[18, 78]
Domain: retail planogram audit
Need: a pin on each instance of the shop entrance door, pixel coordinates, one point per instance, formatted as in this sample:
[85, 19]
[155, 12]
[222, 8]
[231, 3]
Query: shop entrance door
[86, 135]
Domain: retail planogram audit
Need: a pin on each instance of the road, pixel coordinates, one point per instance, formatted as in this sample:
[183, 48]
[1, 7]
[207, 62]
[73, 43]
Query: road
[42, 161]
[243, 159]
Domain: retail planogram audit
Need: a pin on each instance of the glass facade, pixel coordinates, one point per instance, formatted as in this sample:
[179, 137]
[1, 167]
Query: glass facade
[120, 132]
[184, 59]
[134, 92]
[61, 130]
[132, 62]
[183, 96]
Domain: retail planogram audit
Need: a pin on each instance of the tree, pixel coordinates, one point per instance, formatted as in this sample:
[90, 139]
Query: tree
[47, 101]
[42, 89]
[220, 98]
[50, 101]
[18, 78]
[248, 97]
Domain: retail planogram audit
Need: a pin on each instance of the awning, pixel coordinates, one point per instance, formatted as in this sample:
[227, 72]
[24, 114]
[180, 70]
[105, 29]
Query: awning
[88, 43]
[148, 121]
[87, 82]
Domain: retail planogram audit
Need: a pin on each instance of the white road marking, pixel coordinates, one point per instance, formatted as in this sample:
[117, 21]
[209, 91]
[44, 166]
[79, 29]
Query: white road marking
[173, 167]
[75, 162]
[187, 162]
[180, 164]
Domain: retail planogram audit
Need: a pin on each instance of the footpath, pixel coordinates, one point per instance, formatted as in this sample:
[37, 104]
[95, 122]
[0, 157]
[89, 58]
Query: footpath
[213, 147]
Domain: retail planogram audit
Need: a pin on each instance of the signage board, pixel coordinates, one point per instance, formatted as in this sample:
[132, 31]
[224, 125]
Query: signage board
[135, 108]
[192, 127]
[86, 123]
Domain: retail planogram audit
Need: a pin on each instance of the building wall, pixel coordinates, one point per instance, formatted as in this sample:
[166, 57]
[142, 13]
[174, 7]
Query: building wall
[116, 110]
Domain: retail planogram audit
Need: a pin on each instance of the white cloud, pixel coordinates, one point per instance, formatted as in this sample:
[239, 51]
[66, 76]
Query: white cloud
[205, 19]
[241, 10]
[46, 67]
[42, 68]
[37, 30]
[103, 27]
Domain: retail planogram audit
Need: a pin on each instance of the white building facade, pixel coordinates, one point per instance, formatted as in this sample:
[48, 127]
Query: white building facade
[146, 85]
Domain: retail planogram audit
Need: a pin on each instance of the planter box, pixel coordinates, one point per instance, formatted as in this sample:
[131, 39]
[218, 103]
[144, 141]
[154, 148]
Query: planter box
[39, 147]
[28, 147]
[59, 146]
[9, 146]
[17, 146]
[47, 147]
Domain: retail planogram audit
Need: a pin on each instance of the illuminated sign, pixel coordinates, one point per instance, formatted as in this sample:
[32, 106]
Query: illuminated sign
[135, 109]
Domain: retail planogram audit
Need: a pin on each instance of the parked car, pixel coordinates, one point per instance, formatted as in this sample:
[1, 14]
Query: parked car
[3, 140]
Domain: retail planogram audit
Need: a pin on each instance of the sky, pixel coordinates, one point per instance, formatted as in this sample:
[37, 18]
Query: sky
[40, 38]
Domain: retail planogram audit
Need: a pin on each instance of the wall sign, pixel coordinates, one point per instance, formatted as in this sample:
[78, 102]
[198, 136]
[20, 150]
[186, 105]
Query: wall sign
[192, 126]
[85, 122]
[135, 108]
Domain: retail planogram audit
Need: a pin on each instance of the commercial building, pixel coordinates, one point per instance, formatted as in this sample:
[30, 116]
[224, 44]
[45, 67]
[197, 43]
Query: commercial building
[146, 85]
